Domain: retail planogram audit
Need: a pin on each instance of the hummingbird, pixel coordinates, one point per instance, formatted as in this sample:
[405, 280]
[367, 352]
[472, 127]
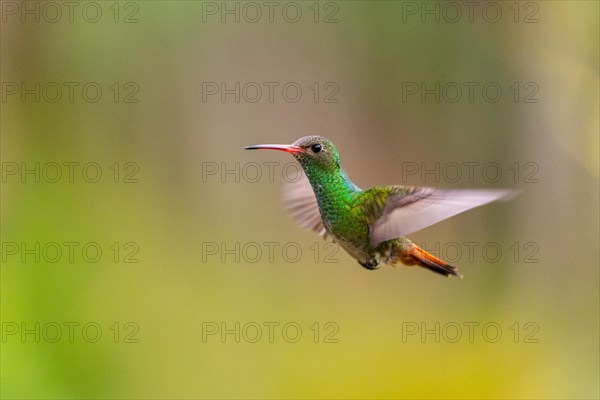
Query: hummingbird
[370, 224]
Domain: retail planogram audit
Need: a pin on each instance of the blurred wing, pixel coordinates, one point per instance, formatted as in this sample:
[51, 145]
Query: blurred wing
[301, 203]
[406, 212]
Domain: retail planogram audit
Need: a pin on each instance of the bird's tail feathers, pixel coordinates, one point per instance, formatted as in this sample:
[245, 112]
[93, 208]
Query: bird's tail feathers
[410, 254]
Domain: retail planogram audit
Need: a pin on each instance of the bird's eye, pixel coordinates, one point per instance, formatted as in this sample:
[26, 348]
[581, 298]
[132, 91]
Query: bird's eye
[316, 148]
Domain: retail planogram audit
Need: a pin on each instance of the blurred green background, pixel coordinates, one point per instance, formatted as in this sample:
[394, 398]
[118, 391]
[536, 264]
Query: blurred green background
[161, 53]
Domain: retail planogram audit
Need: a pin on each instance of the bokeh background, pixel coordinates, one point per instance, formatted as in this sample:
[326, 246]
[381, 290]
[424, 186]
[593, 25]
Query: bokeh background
[368, 51]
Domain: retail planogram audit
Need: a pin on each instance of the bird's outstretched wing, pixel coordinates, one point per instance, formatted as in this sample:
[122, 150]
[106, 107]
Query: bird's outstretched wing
[300, 201]
[403, 210]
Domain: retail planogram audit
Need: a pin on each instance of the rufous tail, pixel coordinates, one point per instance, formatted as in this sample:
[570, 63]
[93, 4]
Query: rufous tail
[411, 254]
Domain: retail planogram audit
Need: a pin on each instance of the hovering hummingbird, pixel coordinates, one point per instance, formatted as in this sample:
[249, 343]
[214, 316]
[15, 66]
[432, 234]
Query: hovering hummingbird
[370, 224]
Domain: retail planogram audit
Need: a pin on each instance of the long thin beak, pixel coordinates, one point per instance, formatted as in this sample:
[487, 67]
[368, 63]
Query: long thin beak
[288, 148]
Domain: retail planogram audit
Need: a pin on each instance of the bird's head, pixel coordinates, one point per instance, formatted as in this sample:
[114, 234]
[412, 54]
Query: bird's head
[314, 153]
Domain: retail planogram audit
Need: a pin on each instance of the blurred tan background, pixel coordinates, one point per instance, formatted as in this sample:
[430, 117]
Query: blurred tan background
[162, 140]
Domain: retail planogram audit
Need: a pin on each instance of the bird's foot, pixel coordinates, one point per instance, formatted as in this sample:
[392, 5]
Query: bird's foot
[370, 264]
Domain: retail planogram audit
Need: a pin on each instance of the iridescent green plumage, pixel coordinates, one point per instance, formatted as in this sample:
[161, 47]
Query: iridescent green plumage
[370, 225]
